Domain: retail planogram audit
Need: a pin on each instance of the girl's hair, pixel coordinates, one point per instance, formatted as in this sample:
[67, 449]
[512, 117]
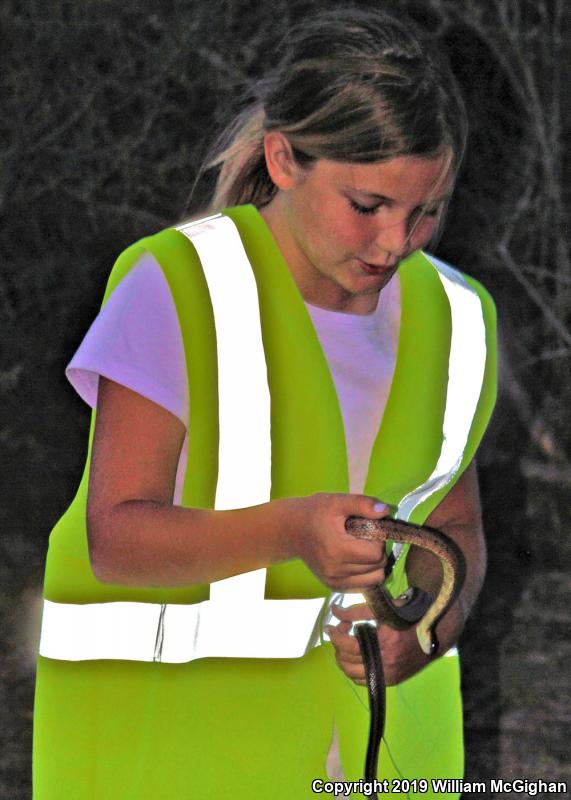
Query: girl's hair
[353, 85]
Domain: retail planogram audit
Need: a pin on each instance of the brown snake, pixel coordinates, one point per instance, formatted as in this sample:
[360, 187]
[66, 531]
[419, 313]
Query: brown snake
[453, 573]
[420, 609]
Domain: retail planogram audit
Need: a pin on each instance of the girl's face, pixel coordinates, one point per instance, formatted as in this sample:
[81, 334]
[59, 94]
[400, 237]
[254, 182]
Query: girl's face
[343, 228]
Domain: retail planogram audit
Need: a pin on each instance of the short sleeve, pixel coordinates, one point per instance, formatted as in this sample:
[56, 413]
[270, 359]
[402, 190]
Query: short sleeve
[135, 340]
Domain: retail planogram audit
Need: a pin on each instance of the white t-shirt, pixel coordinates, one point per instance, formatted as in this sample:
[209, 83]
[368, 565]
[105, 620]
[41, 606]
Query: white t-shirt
[135, 340]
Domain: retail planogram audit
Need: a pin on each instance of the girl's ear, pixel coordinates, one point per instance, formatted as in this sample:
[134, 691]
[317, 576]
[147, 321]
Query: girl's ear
[281, 165]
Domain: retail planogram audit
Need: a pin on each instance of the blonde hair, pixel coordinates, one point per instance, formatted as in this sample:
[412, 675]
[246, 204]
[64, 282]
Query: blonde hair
[352, 85]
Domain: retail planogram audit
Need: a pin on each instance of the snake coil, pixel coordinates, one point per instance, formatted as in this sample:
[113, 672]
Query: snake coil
[420, 609]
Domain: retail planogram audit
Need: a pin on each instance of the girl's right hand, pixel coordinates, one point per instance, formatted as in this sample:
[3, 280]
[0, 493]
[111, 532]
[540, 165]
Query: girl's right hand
[340, 561]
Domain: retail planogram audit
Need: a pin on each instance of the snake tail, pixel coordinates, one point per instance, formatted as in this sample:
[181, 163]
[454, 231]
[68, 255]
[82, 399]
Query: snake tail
[369, 645]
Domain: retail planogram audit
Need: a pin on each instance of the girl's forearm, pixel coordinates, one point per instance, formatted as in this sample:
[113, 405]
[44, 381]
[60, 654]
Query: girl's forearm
[424, 571]
[145, 543]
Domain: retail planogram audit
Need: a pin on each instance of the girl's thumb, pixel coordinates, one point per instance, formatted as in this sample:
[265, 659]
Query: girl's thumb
[362, 505]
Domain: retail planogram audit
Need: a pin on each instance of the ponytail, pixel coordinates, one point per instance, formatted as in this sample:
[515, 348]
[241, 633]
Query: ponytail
[243, 177]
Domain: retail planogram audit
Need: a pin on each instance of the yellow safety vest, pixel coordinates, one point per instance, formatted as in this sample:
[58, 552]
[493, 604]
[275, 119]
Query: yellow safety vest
[252, 677]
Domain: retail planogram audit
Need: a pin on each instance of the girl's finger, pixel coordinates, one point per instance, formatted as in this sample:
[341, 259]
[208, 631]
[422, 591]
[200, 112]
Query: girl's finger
[353, 613]
[364, 580]
[345, 646]
[354, 671]
[373, 553]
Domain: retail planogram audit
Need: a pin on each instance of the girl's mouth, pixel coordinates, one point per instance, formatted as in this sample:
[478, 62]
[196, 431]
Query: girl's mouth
[375, 269]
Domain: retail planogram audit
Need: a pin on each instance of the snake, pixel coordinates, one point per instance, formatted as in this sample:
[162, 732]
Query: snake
[419, 608]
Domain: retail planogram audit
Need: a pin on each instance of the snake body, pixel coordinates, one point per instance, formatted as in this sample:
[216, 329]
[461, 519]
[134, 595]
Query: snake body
[420, 609]
[453, 574]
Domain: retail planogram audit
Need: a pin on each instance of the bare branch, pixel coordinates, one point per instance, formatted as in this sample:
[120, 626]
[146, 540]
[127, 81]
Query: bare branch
[534, 294]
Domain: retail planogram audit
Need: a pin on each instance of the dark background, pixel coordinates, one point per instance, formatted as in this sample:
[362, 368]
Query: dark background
[107, 109]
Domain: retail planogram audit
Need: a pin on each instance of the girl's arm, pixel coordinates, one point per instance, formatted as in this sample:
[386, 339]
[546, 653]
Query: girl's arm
[137, 537]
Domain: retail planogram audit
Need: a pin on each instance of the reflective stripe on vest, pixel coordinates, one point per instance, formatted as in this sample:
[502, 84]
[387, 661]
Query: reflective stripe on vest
[466, 365]
[276, 628]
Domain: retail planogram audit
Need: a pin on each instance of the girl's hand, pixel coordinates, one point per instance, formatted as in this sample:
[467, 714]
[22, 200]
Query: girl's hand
[400, 650]
[459, 516]
[340, 561]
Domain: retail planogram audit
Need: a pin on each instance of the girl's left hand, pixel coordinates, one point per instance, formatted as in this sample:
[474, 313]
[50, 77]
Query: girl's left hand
[400, 650]
[459, 516]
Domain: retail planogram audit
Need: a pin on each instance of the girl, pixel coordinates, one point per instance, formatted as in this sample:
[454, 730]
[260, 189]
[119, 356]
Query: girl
[259, 376]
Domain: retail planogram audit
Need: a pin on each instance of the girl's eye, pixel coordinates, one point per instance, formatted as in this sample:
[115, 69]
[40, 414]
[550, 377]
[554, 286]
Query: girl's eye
[421, 213]
[363, 209]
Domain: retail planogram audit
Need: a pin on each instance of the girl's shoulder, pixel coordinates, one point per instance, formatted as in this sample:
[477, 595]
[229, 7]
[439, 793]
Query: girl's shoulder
[135, 341]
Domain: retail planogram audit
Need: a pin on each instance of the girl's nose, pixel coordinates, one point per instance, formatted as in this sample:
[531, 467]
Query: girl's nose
[393, 237]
